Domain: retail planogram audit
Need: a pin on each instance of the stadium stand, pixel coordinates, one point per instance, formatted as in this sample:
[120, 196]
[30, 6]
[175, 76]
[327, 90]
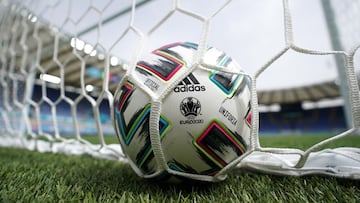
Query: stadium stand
[317, 120]
[84, 113]
[291, 118]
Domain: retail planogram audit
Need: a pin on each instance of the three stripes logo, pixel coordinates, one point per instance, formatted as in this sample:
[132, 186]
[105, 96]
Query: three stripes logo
[189, 84]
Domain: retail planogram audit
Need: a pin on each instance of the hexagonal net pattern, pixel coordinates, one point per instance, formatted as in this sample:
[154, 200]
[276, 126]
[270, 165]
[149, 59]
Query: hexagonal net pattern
[61, 62]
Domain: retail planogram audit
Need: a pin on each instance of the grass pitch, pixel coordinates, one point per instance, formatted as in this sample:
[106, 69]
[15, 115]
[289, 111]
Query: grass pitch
[27, 176]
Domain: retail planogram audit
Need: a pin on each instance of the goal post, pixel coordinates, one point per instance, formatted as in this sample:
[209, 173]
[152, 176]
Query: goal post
[335, 17]
[61, 63]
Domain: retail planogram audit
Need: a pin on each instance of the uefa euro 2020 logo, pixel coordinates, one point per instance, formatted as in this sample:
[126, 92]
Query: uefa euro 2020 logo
[190, 107]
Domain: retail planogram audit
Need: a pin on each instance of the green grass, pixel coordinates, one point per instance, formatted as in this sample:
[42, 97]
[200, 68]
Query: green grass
[305, 141]
[27, 176]
[95, 140]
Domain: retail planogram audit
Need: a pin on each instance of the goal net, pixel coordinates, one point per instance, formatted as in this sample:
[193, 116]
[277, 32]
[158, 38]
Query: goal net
[61, 62]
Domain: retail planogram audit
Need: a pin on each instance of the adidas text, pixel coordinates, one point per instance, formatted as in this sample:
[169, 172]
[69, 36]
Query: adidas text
[189, 88]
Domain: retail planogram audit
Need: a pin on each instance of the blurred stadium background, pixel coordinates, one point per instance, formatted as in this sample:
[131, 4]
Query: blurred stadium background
[322, 112]
[312, 107]
[307, 109]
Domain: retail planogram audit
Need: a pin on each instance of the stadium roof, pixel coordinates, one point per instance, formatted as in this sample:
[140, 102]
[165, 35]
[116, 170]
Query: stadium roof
[313, 92]
[72, 57]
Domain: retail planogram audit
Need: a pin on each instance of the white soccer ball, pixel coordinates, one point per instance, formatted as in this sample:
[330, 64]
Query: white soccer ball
[188, 130]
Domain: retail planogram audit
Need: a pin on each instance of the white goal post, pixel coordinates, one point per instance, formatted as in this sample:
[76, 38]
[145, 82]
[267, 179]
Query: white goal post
[61, 61]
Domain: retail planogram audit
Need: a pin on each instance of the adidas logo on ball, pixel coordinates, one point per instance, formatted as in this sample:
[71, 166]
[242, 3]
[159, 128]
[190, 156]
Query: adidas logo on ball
[189, 84]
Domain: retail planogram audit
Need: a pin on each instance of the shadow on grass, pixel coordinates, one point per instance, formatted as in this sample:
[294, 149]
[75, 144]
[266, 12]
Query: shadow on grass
[102, 178]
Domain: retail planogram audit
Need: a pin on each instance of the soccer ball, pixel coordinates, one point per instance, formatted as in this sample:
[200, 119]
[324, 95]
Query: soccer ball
[177, 124]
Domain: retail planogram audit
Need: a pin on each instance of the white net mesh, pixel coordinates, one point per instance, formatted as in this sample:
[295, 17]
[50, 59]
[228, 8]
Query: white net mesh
[61, 57]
